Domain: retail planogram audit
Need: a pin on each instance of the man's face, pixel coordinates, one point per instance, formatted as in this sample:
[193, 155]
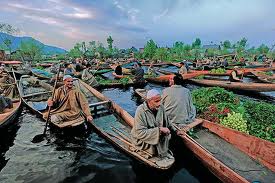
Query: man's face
[154, 102]
[68, 83]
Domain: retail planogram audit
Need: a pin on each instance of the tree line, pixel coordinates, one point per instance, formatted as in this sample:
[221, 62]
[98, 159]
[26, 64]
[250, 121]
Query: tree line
[30, 50]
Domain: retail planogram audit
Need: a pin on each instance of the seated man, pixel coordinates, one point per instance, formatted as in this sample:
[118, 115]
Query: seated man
[88, 77]
[177, 102]
[70, 105]
[4, 103]
[151, 131]
[7, 85]
[236, 75]
[183, 69]
[138, 73]
[69, 70]
[151, 71]
[118, 71]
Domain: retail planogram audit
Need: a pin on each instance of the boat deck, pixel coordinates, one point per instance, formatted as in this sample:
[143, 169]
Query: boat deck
[231, 156]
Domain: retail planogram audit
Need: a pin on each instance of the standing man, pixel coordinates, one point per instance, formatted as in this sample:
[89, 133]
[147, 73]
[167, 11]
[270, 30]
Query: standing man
[69, 104]
[151, 131]
[177, 101]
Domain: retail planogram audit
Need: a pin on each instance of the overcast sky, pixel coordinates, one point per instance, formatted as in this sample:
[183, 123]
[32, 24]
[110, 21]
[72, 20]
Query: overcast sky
[132, 22]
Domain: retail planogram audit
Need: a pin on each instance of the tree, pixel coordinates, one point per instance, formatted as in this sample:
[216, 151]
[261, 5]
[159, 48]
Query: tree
[263, 49]
[243, 43]
[30, 50]
[102, 52]
[150, 49]
[161, 54]
[75, 52]
[6, 38]
[226, 44]
[196, 43]
[110, 45]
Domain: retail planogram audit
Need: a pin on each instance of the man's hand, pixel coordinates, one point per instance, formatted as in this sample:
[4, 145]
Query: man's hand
[164, 130]
[89, 118]
[50, 102]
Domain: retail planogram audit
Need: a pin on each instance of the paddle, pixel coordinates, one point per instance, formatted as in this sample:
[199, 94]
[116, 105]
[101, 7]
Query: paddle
[15, 80]
[40, 137]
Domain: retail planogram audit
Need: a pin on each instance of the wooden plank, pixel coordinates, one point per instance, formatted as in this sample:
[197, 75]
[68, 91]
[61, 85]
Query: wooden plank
[99, 103]
[35, 94]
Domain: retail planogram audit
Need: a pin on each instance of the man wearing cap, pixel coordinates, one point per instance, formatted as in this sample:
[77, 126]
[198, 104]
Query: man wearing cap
[151, 131]
[177, 101]
[70, 105]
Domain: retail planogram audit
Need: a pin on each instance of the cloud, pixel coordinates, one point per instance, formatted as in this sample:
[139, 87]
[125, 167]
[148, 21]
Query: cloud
[64, 22]
[158, 17]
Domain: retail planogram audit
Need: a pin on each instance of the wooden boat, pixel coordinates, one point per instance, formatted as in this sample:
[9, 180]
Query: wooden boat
[231, 155]
[124, 70]
[256, 87]
[41, 74]
[114, 124]
[221, 155]
[102, 71]
[17, 68]
[105, 82]
[156, 64]
[164, 79]
[141, 93]
[35, 93]
[263, 77]
[8, 116]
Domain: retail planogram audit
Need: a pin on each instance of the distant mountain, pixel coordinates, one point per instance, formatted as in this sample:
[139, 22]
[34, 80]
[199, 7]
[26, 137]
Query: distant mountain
[16, 41]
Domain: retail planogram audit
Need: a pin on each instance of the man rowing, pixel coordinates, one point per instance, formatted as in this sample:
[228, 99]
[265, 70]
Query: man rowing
[70, 105]
[151, 131]
[177, 101]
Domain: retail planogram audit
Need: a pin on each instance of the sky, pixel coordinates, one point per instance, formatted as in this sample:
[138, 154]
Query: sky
[63, 23]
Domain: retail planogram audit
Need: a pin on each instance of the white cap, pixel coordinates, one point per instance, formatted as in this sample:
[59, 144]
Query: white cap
[152, 93]
[66, 77]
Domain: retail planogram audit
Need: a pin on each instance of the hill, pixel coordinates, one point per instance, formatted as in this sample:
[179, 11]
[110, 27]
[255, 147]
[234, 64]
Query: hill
[16, 41]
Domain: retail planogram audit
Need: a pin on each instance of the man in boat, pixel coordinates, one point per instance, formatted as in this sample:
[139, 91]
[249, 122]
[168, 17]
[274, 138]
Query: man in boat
[70, 105]
[183, 68]
[69, 70]
[177, 102]
[5, 103]
[118, 69]
[151, 71]
[7, 85]
[236, 75]
[138, 74]
[151, 131]
[88, 77]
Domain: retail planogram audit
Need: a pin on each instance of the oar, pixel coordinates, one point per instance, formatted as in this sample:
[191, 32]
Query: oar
[15, 80]
[40, 137]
